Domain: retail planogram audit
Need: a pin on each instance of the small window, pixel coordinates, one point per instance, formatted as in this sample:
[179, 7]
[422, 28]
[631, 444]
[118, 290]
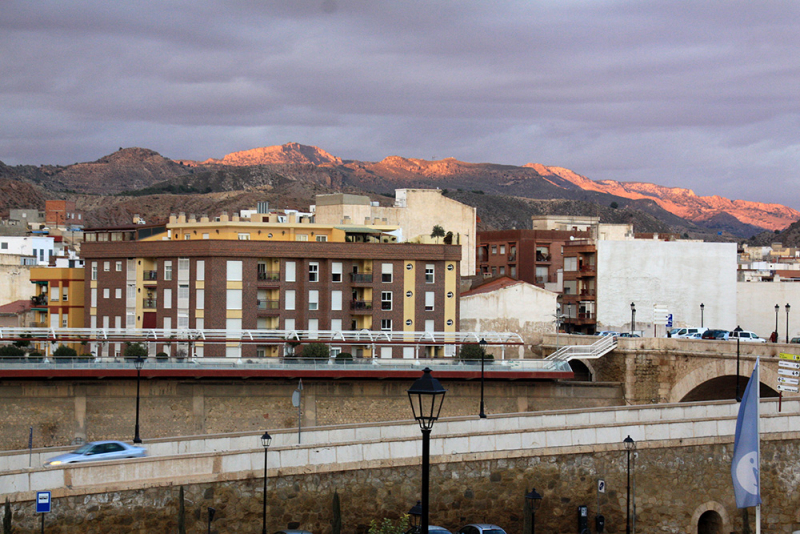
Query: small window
[502, 249]
[450, 266]
[386, 300]
[313, 300]
[106, 266]
[106, 293]
[449, 322]
[336, 271]
[409, 294]
[494, 249]
[118, 293]
[449, 294]
[167, 270]
[4, 245]
[187, 236]
[301, 237]
[322, 238]
[244, 236]
[429, 277]
[429, 300]
[387, 272]
[313, 272]
[119, 266]
[409, 322]
[386, 324]
[409, 266]
[94, 270]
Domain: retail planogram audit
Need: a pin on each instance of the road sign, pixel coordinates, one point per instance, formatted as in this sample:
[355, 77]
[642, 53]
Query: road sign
[42, 502]
[669, 321]
[785, 356]
[789, 365]
[787, 372]
[791, 381]
[791, 389]
[601, 486]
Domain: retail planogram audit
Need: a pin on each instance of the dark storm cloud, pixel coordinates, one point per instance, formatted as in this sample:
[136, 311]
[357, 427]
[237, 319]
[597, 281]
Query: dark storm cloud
[692, 94]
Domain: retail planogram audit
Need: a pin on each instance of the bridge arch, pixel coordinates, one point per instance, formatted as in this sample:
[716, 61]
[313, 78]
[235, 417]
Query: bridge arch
[717, 369]
[710, 518]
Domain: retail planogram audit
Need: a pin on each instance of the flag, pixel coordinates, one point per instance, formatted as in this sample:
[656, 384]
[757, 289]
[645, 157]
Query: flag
[746, 464]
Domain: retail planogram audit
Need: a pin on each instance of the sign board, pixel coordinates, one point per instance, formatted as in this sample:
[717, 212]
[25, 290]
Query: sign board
[42, 502]
[785, 356]
[788, 372]
[660, 315]
[789, 365]
[790, 389]
[791, 381]
[601, 486]
[669, 321]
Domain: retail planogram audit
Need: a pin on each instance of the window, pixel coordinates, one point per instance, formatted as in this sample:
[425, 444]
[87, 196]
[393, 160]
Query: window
[313, 299]
[130, 320]
[502, 270]
[336, 325]
[336, 271]
[234, 299]
[201, 270]
[131, 296]
[187, 236]
[386, 324]
[429, 300]
[106, 266]
[4, 245]
[244, 237]
[429, 278]
[313, 325]
[168, 298]
[450, 266]
[409, 294]
[449, 294]
[429, 326]
[289, 305]
[386, 300]
[234, 270]
[183, 296]
[502, 249]
[571, 264]
[409, 266]
[168, 270]
[183, 269]
[322, 238]
[387, 270]
[494, 249]
[106, 292]
[513, 271]
[118, 293]
[183, 320]
[54, 294]
[205, 236]
[313, 271]
[199, 323]
[233, 323]
[64, 321]
[93, 297]
[336, 300]
[301, 237]
[94, 270]
[288, 324]
[200, 299]
[290, 272]
[119, 266]
[409, 322]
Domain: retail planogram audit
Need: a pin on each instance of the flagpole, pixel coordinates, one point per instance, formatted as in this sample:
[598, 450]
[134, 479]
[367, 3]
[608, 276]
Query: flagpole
[758, 426]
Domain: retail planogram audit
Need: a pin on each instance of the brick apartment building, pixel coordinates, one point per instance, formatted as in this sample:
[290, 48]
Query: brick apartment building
[62, 213]
[179, 277]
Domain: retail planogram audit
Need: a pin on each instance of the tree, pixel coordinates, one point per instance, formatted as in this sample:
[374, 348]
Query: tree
[11, 350]
[473, 352]
[181, 513]
[136, 350]
[614, 205]
[318, 351]
[7, 528]
[448, 239]
[336, 522]
[437, 232]
[63, 350]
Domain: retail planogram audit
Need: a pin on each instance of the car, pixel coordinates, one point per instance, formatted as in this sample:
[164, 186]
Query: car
[96, 451]
[481, 528]
[628, 334]
[685, 332]
[795, 340]
[433, 529]
[607, 333]
[714, 333]
[745, 335]
[696, 335]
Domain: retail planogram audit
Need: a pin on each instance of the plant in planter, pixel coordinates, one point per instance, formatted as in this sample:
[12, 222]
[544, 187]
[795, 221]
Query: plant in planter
[344, 357]
[65, 352]
[316, 351]
[473, 354]
[135, 350]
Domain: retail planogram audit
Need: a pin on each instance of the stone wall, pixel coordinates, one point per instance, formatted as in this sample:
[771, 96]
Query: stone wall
[673, 487]
[61, 412]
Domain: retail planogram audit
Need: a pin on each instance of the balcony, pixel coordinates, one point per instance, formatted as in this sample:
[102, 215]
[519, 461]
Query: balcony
[39, 301]
[263, 304]
[149, 303]
[588, 292]
[149, 276]
[587, 270]
[361, 305]
[543, 257]
[512, 256]
[543, 279]
[361, 278]
[269, 276]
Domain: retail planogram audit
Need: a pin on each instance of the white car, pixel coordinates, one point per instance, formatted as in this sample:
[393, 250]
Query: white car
[686, 332]
[745, 335]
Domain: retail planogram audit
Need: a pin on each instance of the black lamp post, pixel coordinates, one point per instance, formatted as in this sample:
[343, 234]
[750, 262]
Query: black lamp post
[211, 513]
[702, 309]
[266, 439]
[787, 322]
[426, 396]
[633, 317]
[482, 343]
[738, 329]
[534, 500]
[630, 445]
[414, 514]
[777, 309]
[138, 363]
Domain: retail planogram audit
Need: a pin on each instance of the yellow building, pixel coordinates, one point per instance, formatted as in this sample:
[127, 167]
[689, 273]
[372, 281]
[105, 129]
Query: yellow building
[58, 302]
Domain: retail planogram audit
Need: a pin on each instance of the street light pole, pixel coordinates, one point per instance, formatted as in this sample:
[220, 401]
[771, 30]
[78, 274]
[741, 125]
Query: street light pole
[702, 309]
[535, 500]
[738, 330]
[777, 309]
[633, 317]
[138, 363]
[266, 439]
[426, 396]
[787, 322]
[482, 344]
[630, 445]
[211, 512]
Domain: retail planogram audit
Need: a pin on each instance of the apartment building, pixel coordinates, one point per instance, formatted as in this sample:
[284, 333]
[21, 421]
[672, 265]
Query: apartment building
[62, 213]
[244, 275]
[58, 300]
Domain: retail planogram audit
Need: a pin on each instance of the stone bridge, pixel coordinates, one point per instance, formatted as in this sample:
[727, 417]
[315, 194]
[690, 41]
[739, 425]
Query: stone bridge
[481, 470]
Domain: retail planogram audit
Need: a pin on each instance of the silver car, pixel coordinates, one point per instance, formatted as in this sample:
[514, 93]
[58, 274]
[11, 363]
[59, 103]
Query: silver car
[96, 451]
[481, 528]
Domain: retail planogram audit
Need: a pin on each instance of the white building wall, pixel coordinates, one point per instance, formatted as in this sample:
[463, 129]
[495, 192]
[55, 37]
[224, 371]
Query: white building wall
[756, 307]
[675, 275]
[24, 246]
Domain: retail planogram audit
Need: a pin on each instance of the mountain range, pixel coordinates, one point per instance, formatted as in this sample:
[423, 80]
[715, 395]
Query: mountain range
[137, 180]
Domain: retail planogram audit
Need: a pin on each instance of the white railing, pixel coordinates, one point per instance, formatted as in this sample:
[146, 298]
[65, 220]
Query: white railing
[599, 348]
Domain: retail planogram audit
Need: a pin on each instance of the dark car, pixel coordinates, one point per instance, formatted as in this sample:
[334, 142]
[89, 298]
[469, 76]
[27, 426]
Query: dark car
[714, 334]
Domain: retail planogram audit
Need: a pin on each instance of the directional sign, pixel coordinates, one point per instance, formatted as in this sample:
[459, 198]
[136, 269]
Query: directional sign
[791, 389]
[792, 381]
[601, 486]
[669, 321]
[789, 365]
[42, 502]
[785, 356]
[787, 372]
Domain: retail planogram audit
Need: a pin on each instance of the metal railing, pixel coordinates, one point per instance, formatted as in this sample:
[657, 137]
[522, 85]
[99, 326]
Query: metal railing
[269, 276]
[361, 278]
[599, 348]
[149, 275]
[268, 304]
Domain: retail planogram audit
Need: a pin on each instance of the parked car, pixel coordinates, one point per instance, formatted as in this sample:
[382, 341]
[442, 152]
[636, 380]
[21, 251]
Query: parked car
[628, 334]
[745, 335]
[433, 529]
[685, 332]
[293, 531]
[714, 334]
[696, 335]
[795, 340]
[608, 333]
[96, 451]
[481, 528]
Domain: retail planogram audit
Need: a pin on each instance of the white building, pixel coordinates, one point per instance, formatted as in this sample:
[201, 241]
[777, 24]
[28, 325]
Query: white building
[40, 248]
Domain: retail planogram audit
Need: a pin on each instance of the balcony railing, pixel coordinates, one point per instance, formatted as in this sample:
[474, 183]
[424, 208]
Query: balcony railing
[149, 275]
[361, 278]
[268, 304]
[360, 305]
[39, 300]
[512, 256]
[269, 276]
[587, 292]
[149, 303]
[543, 257]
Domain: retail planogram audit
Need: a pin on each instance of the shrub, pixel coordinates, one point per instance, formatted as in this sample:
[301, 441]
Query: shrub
[387, 526]
[162, 355]
[136, 350]
[316, 350]
[344, 357]
[63, 350]
[472, 353]
[11, 350]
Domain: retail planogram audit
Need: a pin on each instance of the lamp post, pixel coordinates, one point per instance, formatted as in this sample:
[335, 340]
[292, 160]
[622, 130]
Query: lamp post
[426, 396]
[211, 512]
[138, 363]
[482, 343]
[787, 322]
[630, 445]
[266, 439]
[633, 317]
[534, 500]
[738, 329]
[702, 309]
[414, 514]
[777, 309]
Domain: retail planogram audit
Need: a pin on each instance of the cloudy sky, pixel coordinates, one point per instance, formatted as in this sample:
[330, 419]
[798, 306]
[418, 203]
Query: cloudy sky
[700, 94]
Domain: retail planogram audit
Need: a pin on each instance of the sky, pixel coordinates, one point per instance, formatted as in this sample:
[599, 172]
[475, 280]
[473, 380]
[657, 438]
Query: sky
[696, 94]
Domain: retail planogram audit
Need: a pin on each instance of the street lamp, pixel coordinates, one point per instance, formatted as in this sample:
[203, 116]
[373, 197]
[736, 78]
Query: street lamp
[266, 439]
[138, 363]
[211, 513]
[414, 514]
[630, 445]
[426, 396]
[787, 322]
[534, 501]
[633, 317]
[738, 329]
[482, 343]
[777, 309]
[702, 309]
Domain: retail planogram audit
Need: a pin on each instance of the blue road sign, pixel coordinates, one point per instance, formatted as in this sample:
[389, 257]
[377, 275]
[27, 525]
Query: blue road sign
[669, 320]
[42, 502]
